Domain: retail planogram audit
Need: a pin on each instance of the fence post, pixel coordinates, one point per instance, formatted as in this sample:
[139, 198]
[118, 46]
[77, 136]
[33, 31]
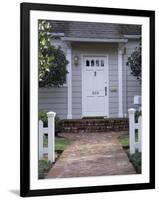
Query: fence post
[139, 134]
[131, 112]
[40, 139]
[51, 136]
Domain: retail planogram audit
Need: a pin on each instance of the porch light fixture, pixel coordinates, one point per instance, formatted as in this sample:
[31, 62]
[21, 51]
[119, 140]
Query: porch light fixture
[76, 60]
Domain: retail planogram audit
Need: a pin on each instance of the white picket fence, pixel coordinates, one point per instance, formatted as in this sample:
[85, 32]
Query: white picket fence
[50, 131]
[133, 145]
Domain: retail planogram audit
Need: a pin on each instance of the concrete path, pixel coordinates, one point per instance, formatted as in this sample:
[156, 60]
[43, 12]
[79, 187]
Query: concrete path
[93, 154]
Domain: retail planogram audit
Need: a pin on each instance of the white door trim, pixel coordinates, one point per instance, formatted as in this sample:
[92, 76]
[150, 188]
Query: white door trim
[69, 81]
[107, 76]
[120, 78]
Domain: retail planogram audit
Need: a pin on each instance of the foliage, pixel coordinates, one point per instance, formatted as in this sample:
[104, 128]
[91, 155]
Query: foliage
[61, 143]
[134, 62]
[57, 124]
[136, 160]
[42, 115]
[124, 140]
[44, 45]
[43, 167]
[137, 115]
[51, 60]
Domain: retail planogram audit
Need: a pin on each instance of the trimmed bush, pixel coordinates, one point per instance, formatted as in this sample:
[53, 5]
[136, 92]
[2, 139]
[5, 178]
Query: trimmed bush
[137, 115]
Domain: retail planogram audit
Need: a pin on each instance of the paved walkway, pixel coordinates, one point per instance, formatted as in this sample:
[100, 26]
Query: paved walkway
[93, 154]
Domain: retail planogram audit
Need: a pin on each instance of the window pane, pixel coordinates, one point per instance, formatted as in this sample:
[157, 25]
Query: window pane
[97, 63]
[87, 63]
[92, 62]
[102, 63]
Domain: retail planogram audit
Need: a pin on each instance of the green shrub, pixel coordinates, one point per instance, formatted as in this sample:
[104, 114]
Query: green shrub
[137, 115]
[57, 125]
[42, 115]
[136, 160]
[43, 167]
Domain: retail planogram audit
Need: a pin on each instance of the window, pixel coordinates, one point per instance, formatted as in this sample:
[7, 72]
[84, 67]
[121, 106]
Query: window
[92, 63]
[102, 63]
[87, 63]
[97, 63]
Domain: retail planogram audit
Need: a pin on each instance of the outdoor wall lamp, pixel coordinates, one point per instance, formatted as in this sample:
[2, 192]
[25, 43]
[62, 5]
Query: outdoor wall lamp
[76, 60]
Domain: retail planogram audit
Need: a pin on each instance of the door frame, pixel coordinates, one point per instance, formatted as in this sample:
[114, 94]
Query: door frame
[107, 76]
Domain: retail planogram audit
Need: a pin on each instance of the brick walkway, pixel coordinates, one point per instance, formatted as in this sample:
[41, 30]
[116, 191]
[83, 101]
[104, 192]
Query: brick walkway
[93, 154]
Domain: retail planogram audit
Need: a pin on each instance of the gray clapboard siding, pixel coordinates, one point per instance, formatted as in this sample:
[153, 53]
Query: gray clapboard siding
[113, 83]
[54, 99]
[76, 88]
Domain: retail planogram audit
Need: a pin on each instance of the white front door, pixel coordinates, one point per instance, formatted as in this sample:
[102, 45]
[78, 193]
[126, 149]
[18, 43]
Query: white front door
[95, 83]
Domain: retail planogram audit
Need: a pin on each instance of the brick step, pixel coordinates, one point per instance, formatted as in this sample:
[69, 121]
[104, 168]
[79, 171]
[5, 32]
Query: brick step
[93, 130]
[95, 126]
[92, 125]
[94, 120]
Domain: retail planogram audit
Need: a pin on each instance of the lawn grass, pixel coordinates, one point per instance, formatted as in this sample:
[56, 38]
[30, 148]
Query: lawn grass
[60, 143]
[135, 159]
[124, 140]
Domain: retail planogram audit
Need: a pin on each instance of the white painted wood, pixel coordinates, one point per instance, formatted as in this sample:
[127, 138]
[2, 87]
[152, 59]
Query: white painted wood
[69, 81]
[51, 136]
[137, 99]
[40, 139]
[120, 78]
[132, 36]
[107, 78]
[94, 81]
[136, 145]
[45, 150]
[132, 127]
[93, 40]
[45, 130]
[136, 125]
[131, 112]
[50, 150]
[139, 134]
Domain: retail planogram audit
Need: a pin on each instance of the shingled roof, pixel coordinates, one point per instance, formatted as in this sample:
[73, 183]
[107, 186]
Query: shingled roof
[94, 30]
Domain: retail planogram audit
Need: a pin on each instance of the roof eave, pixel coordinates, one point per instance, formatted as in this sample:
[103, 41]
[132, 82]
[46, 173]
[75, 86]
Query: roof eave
[108, 40]
[132, 36]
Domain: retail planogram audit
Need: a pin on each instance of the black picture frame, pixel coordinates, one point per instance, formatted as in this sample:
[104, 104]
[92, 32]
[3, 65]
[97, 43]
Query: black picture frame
[25, 9]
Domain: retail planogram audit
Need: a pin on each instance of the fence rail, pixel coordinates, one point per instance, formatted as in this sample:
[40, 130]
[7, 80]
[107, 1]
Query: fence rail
[50, 131]
[133, 126]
